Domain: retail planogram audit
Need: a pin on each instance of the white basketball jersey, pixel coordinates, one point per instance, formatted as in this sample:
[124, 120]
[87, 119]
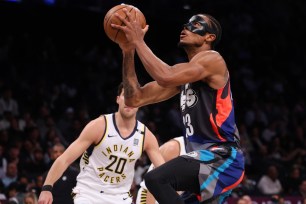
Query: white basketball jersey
[110, 166]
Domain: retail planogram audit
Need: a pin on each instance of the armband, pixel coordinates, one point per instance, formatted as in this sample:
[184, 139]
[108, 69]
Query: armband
[47, 188]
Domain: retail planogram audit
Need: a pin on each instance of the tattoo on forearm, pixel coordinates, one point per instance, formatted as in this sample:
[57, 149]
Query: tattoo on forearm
[130, 81]
[128, 90]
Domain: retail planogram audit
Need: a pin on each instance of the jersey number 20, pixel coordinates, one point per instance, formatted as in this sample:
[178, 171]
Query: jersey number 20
[116, 163]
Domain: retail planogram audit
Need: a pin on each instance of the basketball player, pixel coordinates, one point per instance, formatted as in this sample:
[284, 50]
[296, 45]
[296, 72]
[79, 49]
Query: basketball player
[169, 150]
[214, 164]
[106, 171]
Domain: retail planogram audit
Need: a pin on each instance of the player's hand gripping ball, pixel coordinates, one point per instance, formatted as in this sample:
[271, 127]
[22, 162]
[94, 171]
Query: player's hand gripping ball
[117, 35]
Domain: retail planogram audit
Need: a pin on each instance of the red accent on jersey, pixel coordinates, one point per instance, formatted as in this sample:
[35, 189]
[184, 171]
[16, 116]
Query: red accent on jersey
[215, 128]
[234, 184]
[223, 106]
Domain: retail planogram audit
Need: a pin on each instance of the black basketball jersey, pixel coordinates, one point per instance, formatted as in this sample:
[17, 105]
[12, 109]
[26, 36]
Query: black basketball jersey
[208, 115]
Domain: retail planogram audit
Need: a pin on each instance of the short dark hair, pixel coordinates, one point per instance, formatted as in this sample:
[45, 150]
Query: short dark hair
[214, 28]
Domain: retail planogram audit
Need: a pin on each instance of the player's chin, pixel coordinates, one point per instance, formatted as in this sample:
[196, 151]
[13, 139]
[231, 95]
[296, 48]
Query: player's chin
[129, 114]
[130, 111]
[181, 44]
[127, 108]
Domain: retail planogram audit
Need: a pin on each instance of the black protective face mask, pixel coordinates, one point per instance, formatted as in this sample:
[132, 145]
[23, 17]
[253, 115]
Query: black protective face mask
[200, 30]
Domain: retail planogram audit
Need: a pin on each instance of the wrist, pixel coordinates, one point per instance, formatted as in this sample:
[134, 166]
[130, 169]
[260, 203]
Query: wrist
[139, 43]
[128, 52]
[47, 188]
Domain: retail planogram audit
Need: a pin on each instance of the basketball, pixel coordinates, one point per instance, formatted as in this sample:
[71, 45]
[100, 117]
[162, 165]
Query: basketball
[117, 35]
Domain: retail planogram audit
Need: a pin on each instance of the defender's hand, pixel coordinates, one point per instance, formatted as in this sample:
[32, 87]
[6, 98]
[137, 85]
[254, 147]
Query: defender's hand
[45, 197]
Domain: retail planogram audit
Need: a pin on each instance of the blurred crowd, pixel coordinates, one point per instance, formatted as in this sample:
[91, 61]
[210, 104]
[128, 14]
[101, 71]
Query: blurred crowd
[54, 81]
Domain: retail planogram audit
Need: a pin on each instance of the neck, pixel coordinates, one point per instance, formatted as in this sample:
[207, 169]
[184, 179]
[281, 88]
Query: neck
[125, 122]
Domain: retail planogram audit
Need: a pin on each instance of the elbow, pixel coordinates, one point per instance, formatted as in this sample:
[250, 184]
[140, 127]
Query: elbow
[132, 102]
[132, 97]
[60, 162]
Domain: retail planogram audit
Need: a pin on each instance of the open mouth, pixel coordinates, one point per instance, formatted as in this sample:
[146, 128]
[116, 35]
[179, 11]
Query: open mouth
[183, 34]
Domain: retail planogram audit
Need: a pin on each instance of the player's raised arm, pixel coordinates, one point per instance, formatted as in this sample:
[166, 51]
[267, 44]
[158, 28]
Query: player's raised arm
[202, 63]
[136, 95]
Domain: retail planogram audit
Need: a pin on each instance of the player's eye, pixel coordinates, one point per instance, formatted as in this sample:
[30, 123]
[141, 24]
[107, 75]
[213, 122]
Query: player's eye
[196, 24]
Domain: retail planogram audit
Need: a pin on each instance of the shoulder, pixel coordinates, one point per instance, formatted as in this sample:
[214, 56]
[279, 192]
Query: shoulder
[210, 60]
[149, 139]
[96, 121]
[93, 130]
[207, 55]
[96, 124]
[147, 131]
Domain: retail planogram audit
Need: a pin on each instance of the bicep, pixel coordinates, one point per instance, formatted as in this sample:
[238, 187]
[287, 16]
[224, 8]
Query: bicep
[88, 136]
[152, 149]
[184, 73]
[187, 73]
[75, 150]
[201, 67]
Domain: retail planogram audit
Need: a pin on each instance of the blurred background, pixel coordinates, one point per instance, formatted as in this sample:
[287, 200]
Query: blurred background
[58, 70]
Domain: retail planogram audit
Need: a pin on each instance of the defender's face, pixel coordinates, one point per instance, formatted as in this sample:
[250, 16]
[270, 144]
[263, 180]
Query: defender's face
[124, 110]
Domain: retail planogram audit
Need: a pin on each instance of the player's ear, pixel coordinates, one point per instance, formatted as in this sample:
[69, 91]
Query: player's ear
[210, 37]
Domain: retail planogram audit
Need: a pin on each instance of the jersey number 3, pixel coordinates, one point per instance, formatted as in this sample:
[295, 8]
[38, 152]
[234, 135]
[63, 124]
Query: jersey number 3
[188, 125]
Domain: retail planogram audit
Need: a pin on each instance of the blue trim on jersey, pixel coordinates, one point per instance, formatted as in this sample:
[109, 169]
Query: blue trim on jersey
[229, 126]
[206, 155]
[223, 196]
[220, 169]
[231, 174]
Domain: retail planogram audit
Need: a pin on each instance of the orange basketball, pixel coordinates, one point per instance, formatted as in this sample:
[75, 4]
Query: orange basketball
[110, 18]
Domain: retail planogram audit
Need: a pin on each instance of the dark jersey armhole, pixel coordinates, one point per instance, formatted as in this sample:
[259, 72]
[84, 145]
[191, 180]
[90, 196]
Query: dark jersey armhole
[144, 137]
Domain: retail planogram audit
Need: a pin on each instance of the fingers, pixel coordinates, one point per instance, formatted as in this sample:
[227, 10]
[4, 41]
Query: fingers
[130, 25]
[45, 198]
[136, 17]
[128, 14]
[117, 26]
[128, 17]
[145, 30]
[125, 20]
